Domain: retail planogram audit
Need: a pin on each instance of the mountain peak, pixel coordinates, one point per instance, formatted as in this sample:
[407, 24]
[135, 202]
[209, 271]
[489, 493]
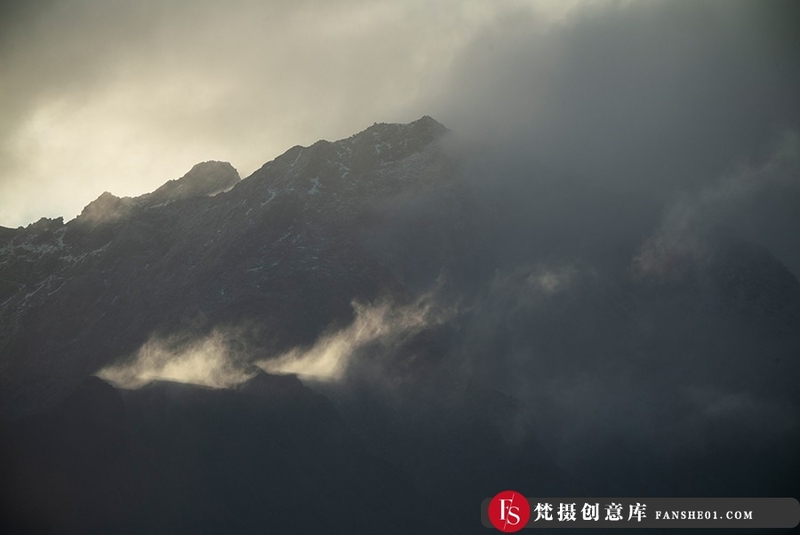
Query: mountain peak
[424, 129]
[384, 142]
[106, 208]
[205, 179]
[358, 155]
[426, 121]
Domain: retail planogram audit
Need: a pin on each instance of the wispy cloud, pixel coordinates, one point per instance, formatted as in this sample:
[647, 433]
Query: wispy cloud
[218, 359]
[380, 326]
[208, 361]
[681, 242]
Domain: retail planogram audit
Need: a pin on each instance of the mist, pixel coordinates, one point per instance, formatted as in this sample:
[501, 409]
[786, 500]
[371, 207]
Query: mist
[625, 110]
[378, 328]
[210, 360]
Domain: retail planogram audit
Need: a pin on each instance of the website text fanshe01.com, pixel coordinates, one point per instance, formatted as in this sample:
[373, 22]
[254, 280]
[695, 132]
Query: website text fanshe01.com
[703, 515]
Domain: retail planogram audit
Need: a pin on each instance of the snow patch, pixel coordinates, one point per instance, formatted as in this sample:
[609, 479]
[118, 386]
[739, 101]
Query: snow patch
[272, 195]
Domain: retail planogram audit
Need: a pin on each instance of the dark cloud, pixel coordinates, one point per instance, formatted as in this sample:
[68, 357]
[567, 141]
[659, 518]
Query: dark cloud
[621, 112]
[655, 92]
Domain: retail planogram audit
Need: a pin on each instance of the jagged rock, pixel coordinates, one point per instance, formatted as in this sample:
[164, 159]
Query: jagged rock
[204, 179]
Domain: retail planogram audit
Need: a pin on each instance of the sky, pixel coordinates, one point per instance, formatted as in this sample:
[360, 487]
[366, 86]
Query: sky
[122, 96]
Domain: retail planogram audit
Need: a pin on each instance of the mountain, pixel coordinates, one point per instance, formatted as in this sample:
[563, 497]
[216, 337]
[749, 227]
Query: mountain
[76, 296]
[390, 328]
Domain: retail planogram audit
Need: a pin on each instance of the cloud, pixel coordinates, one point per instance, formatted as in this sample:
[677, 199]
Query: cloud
[645, 96]
[376, 330]
[208, 361]
[752, 199]
[222, 358]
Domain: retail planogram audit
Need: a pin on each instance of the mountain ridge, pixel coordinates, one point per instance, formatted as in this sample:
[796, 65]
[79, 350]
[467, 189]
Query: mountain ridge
[281, 225]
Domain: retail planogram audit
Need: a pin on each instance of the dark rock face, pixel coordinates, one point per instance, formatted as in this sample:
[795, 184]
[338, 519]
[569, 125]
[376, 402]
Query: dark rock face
[173, 458]
[69, 470]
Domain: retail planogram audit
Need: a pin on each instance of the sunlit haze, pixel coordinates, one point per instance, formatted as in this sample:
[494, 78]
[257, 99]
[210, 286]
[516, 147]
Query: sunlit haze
[122, 96]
